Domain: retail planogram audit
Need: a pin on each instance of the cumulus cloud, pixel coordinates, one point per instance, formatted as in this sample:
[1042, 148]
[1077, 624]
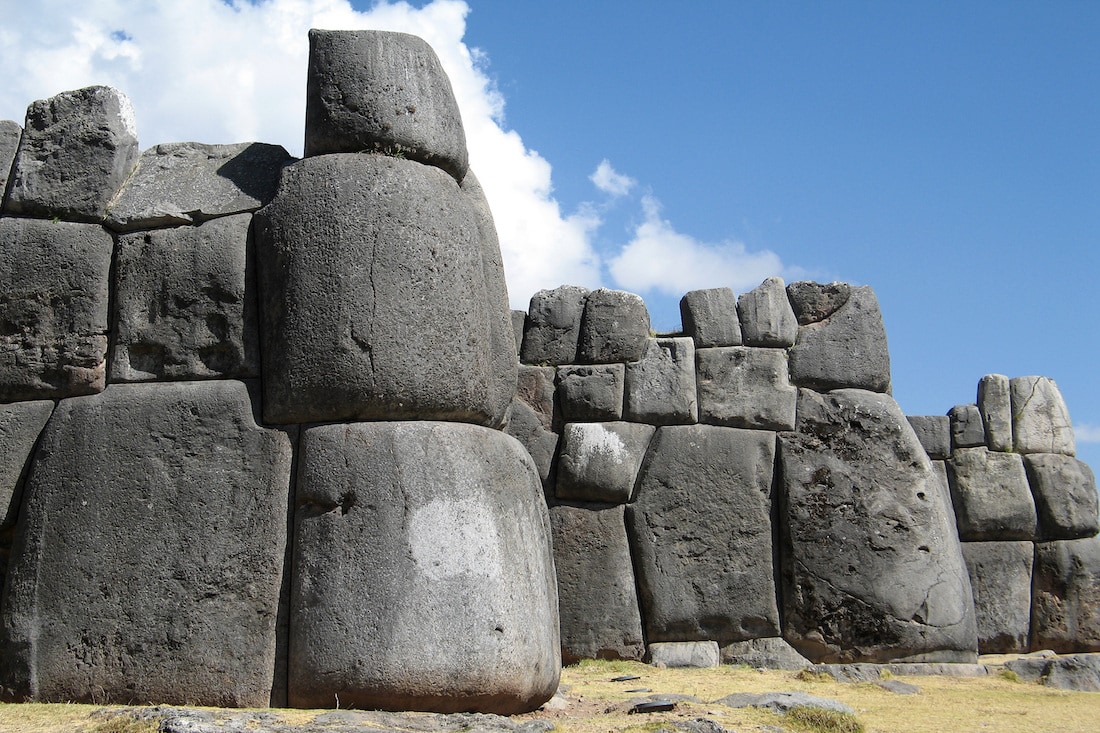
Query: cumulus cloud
[610, 181]
[659, 258]
[1086, 433]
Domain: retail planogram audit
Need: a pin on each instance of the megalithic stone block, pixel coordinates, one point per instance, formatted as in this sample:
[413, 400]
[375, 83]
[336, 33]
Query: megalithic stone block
[599, 461]
[10, 132]
[553, 328]
[710, 317]
[20, 425]
[745, 387]
[1065, 596]
[660, 387]
[766, 315]
[76, 151]
[991, 496]
[1040, 420]
[423, 571]
[1065, 496]
[934, 433]
[591, 392]
[1000, 575]
[531, 418]
[379, 91]
[995, 405]
[967, 426]
[149, 556]
[614, 327]
[846, 349]
[374, 301]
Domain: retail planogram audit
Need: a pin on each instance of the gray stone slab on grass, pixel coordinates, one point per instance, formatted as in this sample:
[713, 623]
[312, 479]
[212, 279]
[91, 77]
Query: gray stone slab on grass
[872, 570]
[374, 302]
[1076, 672]
[1000, 575]
[995, 405]
[1065, 596]
[813, 302]
[700, 529]
[591, 393]
[553, 326]
[614, 327]
[53, 317]
[76, 150]
[991, 496]
[847, 349]
[934, 433]
[768, 653]
[782, 702]
[20, 425]
[531, 418]
[660, 387]
[695, 654]
[766, 315]
[745, 387]
[597, 596]
[599, 461]
[384, 92]
[1065, 496]
[10, 132]
[967, 426]
[1040, 420]
[150, 555]
[709, 317]
[186, 183]
[398, 525]
[185, 303]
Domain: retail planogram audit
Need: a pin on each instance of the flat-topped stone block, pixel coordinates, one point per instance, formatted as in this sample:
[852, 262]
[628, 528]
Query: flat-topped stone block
[695, 654]
[660, 387]
[591, 393]
[599, 462]
[1040, 420]
[553, 327]
[991, 496]
[1065, 496]
[1065, 601]
[745, 387]
[614, 327]
[710, 317]
[967, 427]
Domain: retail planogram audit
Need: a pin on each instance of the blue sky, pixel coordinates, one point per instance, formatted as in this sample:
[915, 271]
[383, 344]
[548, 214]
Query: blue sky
[947, 154]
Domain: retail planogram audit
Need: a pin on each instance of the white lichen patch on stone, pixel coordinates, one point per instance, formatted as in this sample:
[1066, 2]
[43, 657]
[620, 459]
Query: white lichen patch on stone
[593, 440]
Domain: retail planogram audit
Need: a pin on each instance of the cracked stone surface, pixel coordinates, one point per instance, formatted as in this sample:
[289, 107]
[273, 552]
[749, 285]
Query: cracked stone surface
[1000, 574]
[1040, 420]
[1065, 610]
[991, 496]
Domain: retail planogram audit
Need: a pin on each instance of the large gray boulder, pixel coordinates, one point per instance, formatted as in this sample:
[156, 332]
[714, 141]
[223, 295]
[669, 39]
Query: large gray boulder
[149, 557]
[934, 433]
[597, 600]
[532, 420]
[813, 302]
[385, 92]
[53, 316]
[701, 532]
[185, 303]
[991, 496]
[967, 426]
[374, 302]
[1040, 420]
[553, 327]
[872, 569]
[1077, 672]
[188, 183]
[846, 349]
[423, 573]
[745, 387]
[1065, 496]
[591, 392]
[710, 317]
[995, 406]
[1065, 600]
[694, 654]
[600, 461]
[20, 425]
[767, 653]
[766, 315]
[660, 387]
[614, 327]
[1000, 576]
[10, 132]
[77, 149]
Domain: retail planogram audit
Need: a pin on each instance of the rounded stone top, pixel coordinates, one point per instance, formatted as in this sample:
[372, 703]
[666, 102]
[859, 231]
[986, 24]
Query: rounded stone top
[384, 92]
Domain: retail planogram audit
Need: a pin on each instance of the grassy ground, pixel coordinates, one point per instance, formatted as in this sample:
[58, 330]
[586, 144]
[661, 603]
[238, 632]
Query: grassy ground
[594, 704]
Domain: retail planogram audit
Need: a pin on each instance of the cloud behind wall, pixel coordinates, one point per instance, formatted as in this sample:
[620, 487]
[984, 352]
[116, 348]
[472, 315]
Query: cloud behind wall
[222, 72]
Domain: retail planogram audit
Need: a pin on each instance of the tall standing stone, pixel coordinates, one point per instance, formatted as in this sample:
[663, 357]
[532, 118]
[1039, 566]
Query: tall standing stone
[1000, 575]
[995, 405]
[20, 425]
[1040, 420]
[10, 132]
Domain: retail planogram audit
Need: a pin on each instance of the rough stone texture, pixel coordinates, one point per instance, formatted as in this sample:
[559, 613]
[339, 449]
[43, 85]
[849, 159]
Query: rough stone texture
[1065, 496]
[934, 434]
[553, 326]
[77, 149]
[872, 571]
[782, 702]
[991, 496]
[504, 363]
[398, 526]
[378, 91]
[519, 320]
[1040, 420]
[660, 387]
[614, 327]
[770, 653]
[697, 654]
[709, 317]
[967, 426]
[20, 424]
[745, 387]
[374, 303]
[188, 183]
[847, 349]
[10, 132]
[148, 562]
[1077, 672]
[53, 308]
[813, 302]
[591, 393]
[597, 599]
[1065, 596]
[701, 534]
[531, 418]
[600, 461]
[995, 406]
[185, 303]
[1000, 575]
[766, 315]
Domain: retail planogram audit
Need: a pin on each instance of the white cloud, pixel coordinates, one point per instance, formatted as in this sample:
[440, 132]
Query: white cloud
[610, 181]
[661, 259]
[1086, 433]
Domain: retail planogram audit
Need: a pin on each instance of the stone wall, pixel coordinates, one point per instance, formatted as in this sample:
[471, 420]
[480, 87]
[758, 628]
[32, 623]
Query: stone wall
[266, 438]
